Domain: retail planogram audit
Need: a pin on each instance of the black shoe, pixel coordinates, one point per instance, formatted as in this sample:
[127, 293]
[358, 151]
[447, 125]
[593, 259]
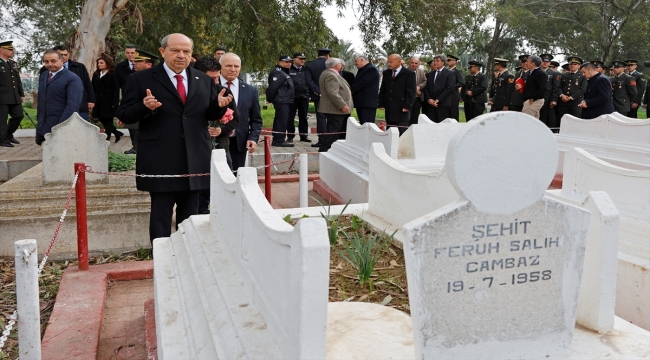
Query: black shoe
[316, 145]
[108, 137]
[12, 139]
[289, 140]
[118, 136]
[282, 144]
[305, 140]
[6, 143]
[131, 152]
[119, 132]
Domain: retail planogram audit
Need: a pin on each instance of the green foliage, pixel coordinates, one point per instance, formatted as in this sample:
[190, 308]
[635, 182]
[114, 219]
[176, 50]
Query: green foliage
[333, 221]
[120, 162]
[362, 250]
[287, 218]
[356, 222]
[143, 254]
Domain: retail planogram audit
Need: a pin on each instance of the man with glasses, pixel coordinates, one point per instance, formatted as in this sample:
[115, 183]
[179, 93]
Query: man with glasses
[11, 95]
[572, 89]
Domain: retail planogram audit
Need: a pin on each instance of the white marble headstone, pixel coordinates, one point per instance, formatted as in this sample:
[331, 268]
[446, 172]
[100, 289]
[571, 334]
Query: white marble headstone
[72, 141]
[496, 274]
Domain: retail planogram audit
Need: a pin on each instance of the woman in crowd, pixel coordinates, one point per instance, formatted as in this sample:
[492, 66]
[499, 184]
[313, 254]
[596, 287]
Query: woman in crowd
[107, 92]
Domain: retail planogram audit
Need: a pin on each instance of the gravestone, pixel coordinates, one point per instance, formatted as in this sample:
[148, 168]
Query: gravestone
[497, 273]
[72, 141]
[423, 146]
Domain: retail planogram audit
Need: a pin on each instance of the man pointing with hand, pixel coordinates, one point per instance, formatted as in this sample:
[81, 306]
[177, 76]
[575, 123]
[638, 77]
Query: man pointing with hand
[173, 103]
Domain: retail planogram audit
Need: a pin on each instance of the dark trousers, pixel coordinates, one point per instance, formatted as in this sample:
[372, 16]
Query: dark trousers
[302, 106]
[516, 108]
[547, 114]
[633, 113]
[204, 196]
[133, 134]
[563, 110]
[109, 128]
[335, 123]
[237, 158]
[15, 112]
[401, 126]
[280, 122]
[473, 110]
[453, 110]
[162, 209]
[366, 115]
[415, 110]
[321, 122]
[439, 113]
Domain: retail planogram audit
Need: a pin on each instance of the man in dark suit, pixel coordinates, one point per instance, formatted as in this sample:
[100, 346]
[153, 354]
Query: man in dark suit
[547, 113]
[125, 68]
[348, 76]
[244, 139]
[502, 86]
[365, 90]
[624, 89]
[173, 103]
[420, 83]
[452, 60]
[59, 94]
[535, 87]
[517, 102]
[88, 99]
[314, 70]
[397, 93]
[11, 95]
[441, 83]
[475, 91]
[598, 95]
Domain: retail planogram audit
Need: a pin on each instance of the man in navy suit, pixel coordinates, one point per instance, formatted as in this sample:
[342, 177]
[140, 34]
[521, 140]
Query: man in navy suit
[59, 94]
[441, 82]
[598, 96]
[397, 93]
[244, 139]
[365, 90]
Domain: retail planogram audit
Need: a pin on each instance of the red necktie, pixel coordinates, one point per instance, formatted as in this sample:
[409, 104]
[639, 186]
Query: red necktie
[229, 83]
[49, 77]
[181, 88]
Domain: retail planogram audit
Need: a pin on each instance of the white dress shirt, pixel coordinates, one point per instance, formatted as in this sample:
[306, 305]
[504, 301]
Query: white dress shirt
[172, 77]
[234, 88]
[54, 73]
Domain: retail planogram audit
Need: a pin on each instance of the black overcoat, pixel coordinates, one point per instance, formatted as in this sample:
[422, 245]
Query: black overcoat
[107, 95]
[397, 94]
[365, 87]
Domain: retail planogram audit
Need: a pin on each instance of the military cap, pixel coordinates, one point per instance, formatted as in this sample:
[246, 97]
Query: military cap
[141, 55]
[597, 63]
[575, 60]
[284, 58]
[555, 63]
[450, 56]
[631, 62]
[565, 66]
[618, 63]
[523, 58]
[7, 44]
[324, 51]
[500, 61]
[475, 63]
[605, 67]
[546, 57]
[299, 55]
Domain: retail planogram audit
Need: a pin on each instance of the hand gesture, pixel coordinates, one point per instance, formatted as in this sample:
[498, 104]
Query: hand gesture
[150, 101]
[224, 100]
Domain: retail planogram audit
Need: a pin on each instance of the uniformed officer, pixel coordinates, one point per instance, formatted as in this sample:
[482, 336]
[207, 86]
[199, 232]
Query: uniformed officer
[475, 91]
[452, 60]
[555, 65]
[280, 92]
[516, 102]
[572, 89]
[639, 78]
[300, 99]
[623, 88]
[565, 68]
[547, 112]
[11, 95]
[502, 87]
[600, 67]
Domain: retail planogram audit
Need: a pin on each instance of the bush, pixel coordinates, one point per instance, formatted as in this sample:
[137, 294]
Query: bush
[120, 162]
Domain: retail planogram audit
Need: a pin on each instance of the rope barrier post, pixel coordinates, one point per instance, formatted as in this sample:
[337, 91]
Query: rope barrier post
[82, 221]
[304, 180]
[267, 167]
[29, 315]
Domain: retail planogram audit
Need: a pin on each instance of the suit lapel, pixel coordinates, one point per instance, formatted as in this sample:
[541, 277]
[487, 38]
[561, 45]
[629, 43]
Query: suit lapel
[56, 77]
[160, 75]
[192, 82]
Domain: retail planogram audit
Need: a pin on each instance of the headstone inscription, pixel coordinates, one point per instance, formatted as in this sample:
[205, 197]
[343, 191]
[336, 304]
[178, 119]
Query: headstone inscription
[497, 273]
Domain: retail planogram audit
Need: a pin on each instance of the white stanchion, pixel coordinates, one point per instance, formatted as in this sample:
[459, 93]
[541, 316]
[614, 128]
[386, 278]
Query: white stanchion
[29, 318]
[304, 180]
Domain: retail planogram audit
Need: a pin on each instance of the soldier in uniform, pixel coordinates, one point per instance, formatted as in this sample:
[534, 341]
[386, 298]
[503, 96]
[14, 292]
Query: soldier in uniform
[452, 60]
[11, 95]
[565, 68]
[547, 112]
[280, 92]
[572, 89]
[623, 88]
[554, 65]
[639, 78]
[502, 87]
[474, 91]
[517, 103]
[300, 99]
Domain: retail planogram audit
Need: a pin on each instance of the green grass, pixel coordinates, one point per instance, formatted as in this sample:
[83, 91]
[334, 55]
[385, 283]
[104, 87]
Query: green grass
[120, 162]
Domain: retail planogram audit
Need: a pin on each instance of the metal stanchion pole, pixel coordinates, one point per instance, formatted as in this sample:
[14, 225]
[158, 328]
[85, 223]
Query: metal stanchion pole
[29, 316]
[304, 182]
[82, 220]
[267, 167]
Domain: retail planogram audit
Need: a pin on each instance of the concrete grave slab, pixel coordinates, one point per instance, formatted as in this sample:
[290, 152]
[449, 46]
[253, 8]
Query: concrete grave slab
[423, 146]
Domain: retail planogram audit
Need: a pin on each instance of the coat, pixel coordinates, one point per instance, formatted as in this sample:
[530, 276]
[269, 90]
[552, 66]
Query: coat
[501, 92]
[536, 84]
[250, 118]
[365, 87]
[11, 88]
[477, 84]
[460, 82]
[122, 71]
[443, 88]
[57, 101]
[88, 93]
[598, 97]
[623, 92]
[335, 93]
[397, 94]
[107, 95]
[572, 85]
[280, 89]
[173, 139]
[314, 70]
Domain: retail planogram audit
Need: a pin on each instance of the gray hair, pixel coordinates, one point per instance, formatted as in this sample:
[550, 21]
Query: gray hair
[362, 57]
[535, 60]
[332, 62]
[165, 40]
[442, 58]
[229, 55]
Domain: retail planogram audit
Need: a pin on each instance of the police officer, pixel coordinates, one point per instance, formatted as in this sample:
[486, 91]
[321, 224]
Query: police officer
[639, 79]
[280, 92]
[547, 112]
[11, 95]
[452, 60]
[300, 99]
[624, 89]
[502, 87]
[517, 103]
[474, 91]
[572, 89]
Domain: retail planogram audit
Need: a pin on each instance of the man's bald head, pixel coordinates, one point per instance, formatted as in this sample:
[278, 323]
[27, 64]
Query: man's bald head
[414, 63]
[176, 50]
[394, 61]
[230, 66]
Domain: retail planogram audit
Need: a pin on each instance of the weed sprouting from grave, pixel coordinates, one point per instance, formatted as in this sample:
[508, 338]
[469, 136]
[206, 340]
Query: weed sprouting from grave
[363, 250]
[332, 220]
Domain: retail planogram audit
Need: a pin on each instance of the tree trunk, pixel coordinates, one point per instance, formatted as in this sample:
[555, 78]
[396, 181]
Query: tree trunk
[95, 23]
